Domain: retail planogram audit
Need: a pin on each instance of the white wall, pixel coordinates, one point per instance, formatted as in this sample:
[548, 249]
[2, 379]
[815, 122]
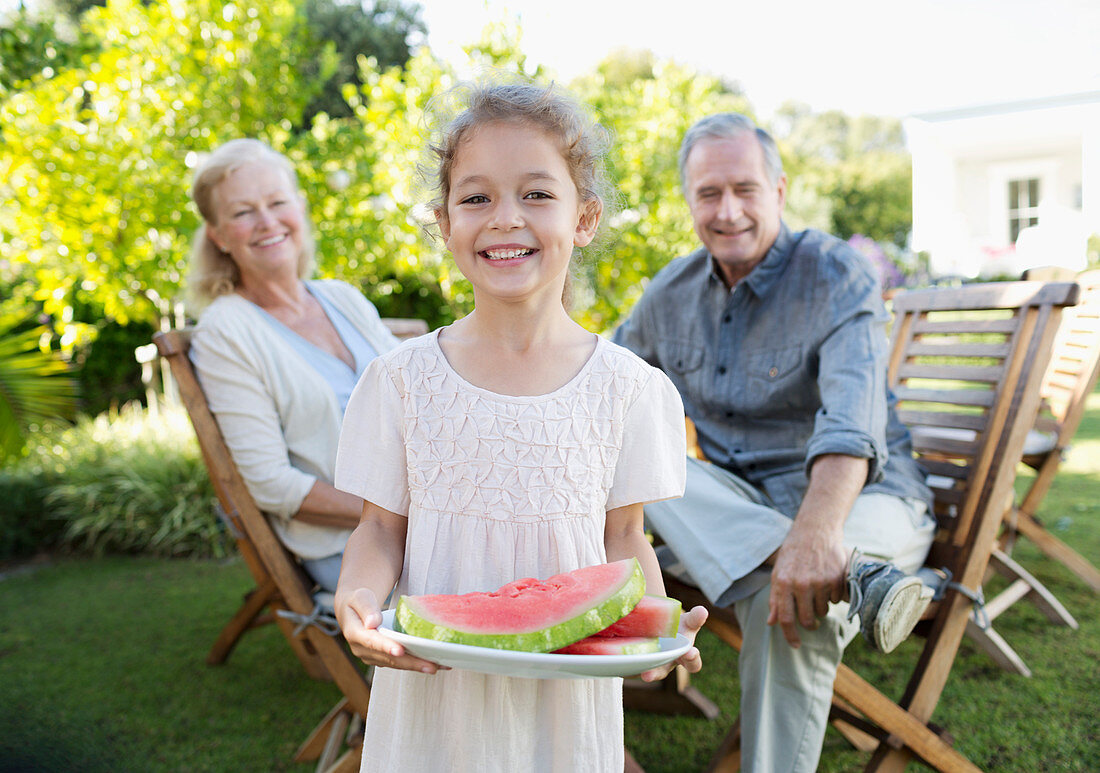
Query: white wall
[962, 162]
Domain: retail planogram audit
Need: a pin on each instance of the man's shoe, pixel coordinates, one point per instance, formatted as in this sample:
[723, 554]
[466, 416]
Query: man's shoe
[888, 601]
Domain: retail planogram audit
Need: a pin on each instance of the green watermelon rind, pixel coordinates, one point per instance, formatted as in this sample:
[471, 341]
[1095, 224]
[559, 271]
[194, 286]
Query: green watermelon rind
[547, 639]
[603, 646]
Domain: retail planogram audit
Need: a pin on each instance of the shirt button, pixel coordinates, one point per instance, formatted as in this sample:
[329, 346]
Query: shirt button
[721, 370]
[773, 372]
[727, 319]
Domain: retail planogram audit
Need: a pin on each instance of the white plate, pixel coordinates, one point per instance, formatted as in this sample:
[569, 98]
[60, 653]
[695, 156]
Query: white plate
[534, 665]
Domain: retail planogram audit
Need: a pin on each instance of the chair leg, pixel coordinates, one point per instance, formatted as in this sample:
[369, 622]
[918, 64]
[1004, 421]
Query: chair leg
[1030, 527]
[349, 763]
[727, 759]
[994, 645]
[334, 741]
[856, 730]
[1027, 586]
[247, 617]
[672, 695]
[904, 728]
[317, 743]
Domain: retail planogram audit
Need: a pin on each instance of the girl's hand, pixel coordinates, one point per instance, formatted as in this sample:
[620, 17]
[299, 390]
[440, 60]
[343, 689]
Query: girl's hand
[690, 623]
[359, 616]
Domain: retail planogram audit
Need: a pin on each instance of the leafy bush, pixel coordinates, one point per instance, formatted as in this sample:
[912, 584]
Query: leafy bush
[129, 481]
[25, 526]
[109, 375]
[896, 267]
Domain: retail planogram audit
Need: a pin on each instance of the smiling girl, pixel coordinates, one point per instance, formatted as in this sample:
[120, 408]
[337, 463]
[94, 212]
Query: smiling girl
[511, 444]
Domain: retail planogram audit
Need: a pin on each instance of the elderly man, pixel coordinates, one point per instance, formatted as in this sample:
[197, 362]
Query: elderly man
[776, 342]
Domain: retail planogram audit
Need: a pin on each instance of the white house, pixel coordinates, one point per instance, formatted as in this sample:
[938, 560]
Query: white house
[1001, 188]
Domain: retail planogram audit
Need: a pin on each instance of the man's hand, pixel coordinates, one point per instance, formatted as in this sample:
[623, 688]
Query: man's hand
[808, 570]
[808, 576]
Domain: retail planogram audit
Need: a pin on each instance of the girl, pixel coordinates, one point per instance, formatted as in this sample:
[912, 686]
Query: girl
[510, 444]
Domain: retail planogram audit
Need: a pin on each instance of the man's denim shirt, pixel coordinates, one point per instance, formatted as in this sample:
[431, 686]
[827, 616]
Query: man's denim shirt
[789, 365]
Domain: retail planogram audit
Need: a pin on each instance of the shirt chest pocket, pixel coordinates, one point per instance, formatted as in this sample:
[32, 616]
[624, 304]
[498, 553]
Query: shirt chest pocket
[775, 377]
[681, 357]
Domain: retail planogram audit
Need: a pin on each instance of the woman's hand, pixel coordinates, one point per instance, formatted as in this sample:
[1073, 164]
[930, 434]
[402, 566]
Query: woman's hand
[690, 624]
[359, 615]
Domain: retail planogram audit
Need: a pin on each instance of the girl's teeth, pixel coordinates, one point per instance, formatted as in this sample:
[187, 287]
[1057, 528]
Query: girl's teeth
[272, 240]
[507, 254]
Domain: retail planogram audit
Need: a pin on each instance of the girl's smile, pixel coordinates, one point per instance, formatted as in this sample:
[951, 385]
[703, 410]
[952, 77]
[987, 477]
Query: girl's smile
[506, 253]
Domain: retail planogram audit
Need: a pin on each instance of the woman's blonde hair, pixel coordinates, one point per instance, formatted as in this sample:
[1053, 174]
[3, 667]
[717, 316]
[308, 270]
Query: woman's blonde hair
[213, 272]
[584, 143]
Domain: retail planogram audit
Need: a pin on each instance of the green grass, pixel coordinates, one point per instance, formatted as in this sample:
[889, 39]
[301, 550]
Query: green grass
[101, 669]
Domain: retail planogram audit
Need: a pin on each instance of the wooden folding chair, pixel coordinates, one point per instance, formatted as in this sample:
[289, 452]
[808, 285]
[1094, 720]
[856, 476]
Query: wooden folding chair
[966, 365]
[1070, 379]
[284, 594]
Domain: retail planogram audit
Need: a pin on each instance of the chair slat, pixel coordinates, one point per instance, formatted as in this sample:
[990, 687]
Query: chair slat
[988, 374]
[977, 326]
[945, 469]
[979, 398]
[912, 418]
[939, 348]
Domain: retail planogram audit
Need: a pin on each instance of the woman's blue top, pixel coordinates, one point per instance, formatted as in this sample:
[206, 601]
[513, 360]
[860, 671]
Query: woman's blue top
[340, 377]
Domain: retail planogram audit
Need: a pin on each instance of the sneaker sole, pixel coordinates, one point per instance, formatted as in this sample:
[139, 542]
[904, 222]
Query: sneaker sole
[899, 613]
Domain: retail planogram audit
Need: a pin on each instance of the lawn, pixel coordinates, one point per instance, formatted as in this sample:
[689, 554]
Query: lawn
[101, 669]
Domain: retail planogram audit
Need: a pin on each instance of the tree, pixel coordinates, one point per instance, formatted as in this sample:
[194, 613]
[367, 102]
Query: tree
[38, 45]
[647, 116]
[384, 31]
[848, 175]
[34, 386]
[94, 163]
[360, 178]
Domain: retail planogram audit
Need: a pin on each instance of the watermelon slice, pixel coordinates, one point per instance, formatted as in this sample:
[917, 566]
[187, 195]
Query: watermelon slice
[653, 616]
[612, 645]
[528, 615]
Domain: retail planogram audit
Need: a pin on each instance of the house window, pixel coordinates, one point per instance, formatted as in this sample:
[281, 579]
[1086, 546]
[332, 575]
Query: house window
[1023, 206]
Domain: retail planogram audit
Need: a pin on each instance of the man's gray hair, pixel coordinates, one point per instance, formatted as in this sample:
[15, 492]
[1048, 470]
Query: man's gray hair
[724, 126]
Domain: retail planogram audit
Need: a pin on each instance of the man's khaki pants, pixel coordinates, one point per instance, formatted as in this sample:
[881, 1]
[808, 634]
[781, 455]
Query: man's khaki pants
[717, 537]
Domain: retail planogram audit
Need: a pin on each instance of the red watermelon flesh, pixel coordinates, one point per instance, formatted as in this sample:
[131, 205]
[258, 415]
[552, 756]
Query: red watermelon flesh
[528, 615]
[612, 645]
[653, 616]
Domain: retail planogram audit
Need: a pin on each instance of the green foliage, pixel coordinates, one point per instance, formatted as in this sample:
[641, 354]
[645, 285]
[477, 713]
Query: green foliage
[360, 179]
[380, 30]
[647, 117]
[93, 175]
[38, 46]
[34, 384]
[95, 159]
[108, 374]
[896, 267]
[848, 175]
[129, 482]
[25, 525]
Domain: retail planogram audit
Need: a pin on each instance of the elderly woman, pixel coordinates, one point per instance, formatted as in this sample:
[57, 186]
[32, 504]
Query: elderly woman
[277, 354]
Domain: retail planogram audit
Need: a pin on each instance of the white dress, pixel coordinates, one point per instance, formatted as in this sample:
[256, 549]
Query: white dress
[498, 488]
